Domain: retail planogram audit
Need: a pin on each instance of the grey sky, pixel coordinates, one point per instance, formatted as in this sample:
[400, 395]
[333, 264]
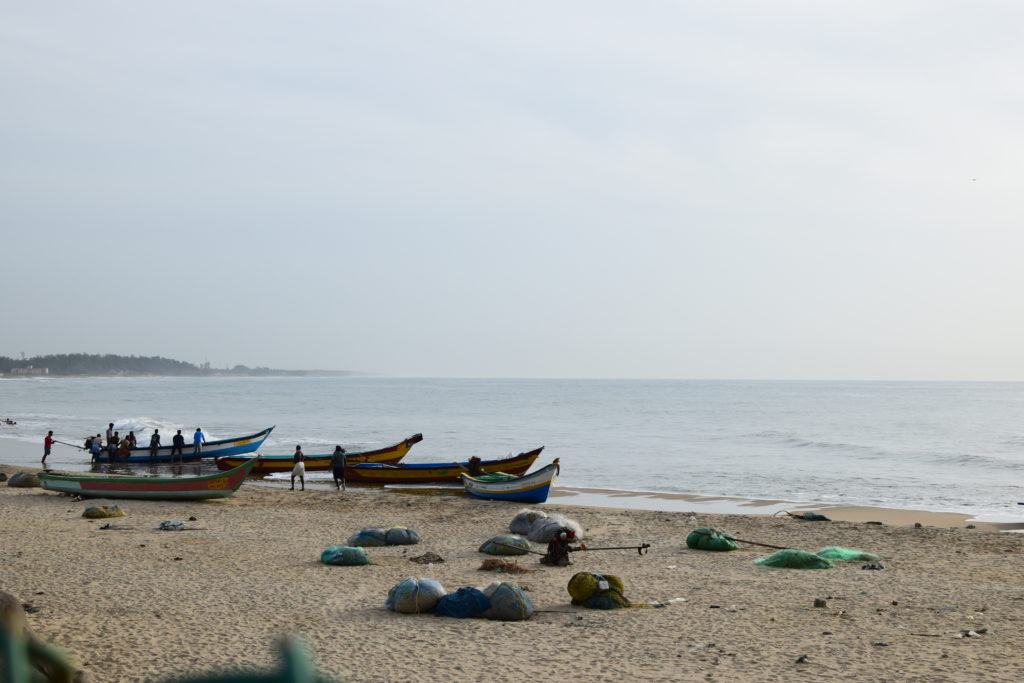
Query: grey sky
[530, 189]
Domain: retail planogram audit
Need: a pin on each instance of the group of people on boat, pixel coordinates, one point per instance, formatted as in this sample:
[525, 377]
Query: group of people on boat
[118, 448]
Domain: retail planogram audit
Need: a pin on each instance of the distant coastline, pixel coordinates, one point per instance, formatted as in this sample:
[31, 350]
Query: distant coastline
[111, 365]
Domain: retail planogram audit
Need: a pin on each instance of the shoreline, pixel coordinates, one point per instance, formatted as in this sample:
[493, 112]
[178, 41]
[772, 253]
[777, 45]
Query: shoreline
[613, 500]
[636, 500]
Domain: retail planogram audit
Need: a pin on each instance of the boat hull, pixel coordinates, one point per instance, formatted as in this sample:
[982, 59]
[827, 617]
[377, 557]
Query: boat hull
[269, 464]
[435, 473]
[530, 488]
[211, 449]
[210, 486]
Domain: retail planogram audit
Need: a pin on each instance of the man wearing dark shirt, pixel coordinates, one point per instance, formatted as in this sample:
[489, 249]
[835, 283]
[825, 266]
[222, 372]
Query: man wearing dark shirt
[177, 444]
[154, 444]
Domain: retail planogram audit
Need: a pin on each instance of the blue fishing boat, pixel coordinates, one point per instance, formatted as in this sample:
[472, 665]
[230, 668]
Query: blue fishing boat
[211, 449]
[529, 488]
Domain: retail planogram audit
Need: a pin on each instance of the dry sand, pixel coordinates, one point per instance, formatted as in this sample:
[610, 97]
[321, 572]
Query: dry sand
[140, 604]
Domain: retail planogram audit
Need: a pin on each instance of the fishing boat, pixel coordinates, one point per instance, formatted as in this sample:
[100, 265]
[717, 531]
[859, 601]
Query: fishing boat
[268, 464]
[435, 472]
[211, 449]
[528, 488]
[219, 485]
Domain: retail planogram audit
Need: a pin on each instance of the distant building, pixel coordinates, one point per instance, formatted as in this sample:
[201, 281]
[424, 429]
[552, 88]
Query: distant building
[30, 371]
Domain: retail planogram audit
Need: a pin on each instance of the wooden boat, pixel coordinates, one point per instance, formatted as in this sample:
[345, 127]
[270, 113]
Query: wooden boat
[211, 449]
[435, 472]
[268, 464]
[219, 485]
[529, 488]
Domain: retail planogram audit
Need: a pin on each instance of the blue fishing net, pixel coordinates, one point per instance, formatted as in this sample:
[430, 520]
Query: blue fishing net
[462, 604]
[371, 536]
[400, 535]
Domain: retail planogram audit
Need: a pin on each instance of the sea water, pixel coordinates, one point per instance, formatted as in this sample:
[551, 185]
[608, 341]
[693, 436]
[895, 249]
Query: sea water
[953, 447]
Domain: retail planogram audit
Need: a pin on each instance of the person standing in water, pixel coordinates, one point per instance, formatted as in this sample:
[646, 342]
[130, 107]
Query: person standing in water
[339, 462]
[177, 446]
[154, 444]
[299, 469]
[198, 439]
[47, 445]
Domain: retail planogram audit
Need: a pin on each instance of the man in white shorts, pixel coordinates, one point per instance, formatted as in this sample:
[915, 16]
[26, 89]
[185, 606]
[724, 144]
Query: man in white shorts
[299, 469]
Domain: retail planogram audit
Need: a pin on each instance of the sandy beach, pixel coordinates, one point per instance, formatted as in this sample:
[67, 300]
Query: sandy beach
[138, 604]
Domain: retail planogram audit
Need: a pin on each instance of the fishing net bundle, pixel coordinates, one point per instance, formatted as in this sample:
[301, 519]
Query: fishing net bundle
[103, 511]
[498, 600]
[524, 519]
[707, 538]
[413, 596]
[344, 556]
[544, 529]
[494, 476]
[506, 566]
[171, 525]
[462, 604]
[805, 516]
[24, 480]
[791, 558]
[400, 535]
[375, 536]
[506, 544]
[508, 602]
[597, 591]
[838, 554]
[368, 537]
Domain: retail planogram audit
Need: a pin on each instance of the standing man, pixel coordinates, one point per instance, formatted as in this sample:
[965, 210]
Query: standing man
[47, 445]
[110, 433]
[299, 470]
[154, 444]
[177, 446]
[198, 439]
[95, 449]
[338, 464]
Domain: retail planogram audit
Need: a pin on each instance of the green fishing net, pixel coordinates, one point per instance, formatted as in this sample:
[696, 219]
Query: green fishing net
[794, 559]
[706, 538]
[837, 554]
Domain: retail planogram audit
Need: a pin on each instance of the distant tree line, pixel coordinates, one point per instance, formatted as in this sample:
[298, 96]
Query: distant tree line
[107, 364]
[110, 364]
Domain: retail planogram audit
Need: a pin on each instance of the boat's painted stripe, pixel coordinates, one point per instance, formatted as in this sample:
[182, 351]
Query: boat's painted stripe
[507, 491]
[535, 495]
[209, 486]
[284, 462]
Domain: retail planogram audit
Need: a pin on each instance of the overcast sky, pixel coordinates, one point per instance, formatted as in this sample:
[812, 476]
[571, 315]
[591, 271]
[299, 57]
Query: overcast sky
[787, 190]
